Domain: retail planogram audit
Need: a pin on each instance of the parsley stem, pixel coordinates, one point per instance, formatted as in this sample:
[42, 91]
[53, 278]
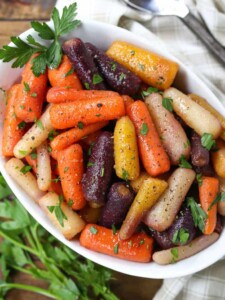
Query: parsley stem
[29, 238]
[29, 288]
[16, 243]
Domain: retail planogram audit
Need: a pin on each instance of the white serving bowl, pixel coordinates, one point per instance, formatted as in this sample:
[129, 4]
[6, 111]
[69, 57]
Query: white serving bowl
[102, 35]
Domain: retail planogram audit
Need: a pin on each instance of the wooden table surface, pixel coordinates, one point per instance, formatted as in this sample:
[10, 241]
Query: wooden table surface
[15, 17]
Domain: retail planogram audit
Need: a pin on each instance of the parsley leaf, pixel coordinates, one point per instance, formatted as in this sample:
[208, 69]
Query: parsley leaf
[125, 175]
[184, 163]
[58, 212]
[199, 179]
[198, 214]
[22, 125]
[97, 79]
[180, 236]
[150, 90]
[25, 169]
[144, 129]
[207, 141]
[167, 104]
[48, 56]
[219, 198]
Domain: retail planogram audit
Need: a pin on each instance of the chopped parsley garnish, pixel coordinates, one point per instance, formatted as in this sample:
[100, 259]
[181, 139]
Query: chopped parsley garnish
[199, 179]
[122, 76]
[198, 214]
[144, 129]
[102, 172]
[141, 242]
[70, 202]
[113, 67]
[132, 52]
[25, 169]
[58, 211]
[39, 124]
[219, 198]
[33, 155]
[184, 163]
[90, 164]
[33, 95]
[116, 248]
[80, 125]
[187, 144]
[125, 175]
[150, 90]
[87, 86]
[69, 72]
[23, 152]
[57, 179]
[52, 134]
[93, 230]
[207, 141]
[66, 169]
[22, 125]
[167, 104]
[180, 236]
[174, 252]
[97, 79]
[26, 87]
[114, 230]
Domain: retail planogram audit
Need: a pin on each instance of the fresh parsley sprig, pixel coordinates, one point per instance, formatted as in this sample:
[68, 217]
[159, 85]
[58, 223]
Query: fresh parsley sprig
[49, 56]
[69, 276]
[198, 214]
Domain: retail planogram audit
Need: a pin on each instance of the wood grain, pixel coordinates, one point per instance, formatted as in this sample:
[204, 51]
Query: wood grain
[15, 18]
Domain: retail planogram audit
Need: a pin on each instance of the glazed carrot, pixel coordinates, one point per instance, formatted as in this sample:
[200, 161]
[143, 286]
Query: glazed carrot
[73, 135]
[97, 238]
[62, 94]
[32, 161]
[55, 185]
[54, 154]
[85, 112]
[208, 191]
[153, 155]
[127, 101]
[70, 162]
[31, 95]
[64, 75]
[152, 68]
[13, 128]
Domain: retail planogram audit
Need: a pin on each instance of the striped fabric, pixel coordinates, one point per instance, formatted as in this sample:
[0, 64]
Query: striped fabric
[172, 34]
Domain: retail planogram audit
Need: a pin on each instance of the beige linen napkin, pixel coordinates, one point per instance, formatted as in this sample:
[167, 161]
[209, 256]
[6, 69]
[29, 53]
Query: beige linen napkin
[172, 34]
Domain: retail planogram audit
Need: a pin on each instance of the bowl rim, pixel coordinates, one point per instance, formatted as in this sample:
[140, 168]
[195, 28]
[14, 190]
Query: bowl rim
[148, 270]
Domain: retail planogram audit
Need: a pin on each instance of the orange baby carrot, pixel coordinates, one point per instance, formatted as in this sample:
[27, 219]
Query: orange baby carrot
[31, 94]
[32, 161]
[55, 185]
[13, 128]
[73, 135]
[54, 154]
[208, 191]
[97, 238]
[62, 94]
[85, 112]
[127, 101]
[153, 155]
[64, 75]
[70, 163]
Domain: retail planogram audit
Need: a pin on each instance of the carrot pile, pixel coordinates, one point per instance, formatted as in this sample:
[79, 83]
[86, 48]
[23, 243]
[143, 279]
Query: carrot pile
[88, 153]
